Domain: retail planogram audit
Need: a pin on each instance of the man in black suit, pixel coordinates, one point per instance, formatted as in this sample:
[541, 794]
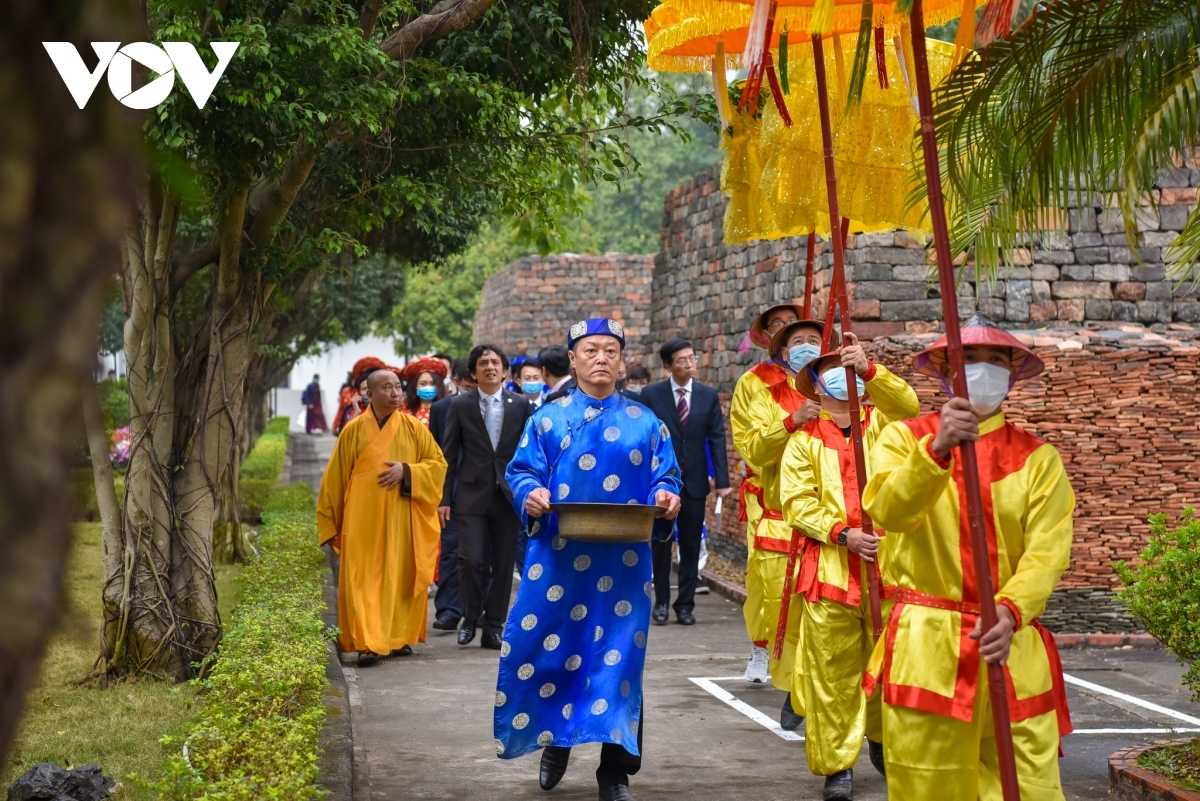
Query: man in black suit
[692, 413]
[556, 372]
[483, 427]
[448, 603]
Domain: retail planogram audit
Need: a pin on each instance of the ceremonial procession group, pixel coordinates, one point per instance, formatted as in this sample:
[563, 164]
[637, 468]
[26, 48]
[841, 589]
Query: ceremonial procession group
[573, 646]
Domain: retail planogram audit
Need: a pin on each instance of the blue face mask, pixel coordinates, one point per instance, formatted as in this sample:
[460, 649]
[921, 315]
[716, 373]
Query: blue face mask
[427, 393]
[531, 388]
[833, 381]
[800, 355]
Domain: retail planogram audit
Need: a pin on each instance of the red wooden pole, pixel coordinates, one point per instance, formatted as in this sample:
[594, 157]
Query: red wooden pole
[958, 379]
[838, 294]
[808, 274]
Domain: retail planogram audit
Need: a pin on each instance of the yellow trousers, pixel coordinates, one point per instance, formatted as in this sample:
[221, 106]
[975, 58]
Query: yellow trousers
[836, 645]
[931, 756]
[764, 594]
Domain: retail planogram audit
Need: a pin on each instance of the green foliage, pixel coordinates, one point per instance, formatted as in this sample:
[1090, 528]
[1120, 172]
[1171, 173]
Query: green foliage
[114, 403]
[1084, 103]
[112, 321]
[260, 472]
[256, 734]
[1179, 762]
[1163, 591]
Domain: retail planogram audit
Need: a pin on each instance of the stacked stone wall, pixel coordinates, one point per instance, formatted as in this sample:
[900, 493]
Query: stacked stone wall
[1117, 399]
[533, 301]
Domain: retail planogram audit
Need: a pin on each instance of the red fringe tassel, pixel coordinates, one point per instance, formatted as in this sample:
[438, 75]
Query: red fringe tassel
[880, 58]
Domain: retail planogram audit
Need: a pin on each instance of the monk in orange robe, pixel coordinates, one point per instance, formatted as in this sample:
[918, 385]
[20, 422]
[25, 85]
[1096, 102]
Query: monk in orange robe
[378, 509]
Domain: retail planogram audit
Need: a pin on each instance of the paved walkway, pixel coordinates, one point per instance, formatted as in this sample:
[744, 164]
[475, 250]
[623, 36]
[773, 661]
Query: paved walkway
[423, 724]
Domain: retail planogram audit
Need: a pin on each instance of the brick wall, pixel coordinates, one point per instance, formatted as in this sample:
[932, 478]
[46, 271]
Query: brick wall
[533, 301]
[1120, 404]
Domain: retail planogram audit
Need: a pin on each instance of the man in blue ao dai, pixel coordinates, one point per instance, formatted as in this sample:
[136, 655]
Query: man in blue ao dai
[575, 641]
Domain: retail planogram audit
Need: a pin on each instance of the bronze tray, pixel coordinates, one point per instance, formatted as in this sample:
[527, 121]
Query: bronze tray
[607, 522]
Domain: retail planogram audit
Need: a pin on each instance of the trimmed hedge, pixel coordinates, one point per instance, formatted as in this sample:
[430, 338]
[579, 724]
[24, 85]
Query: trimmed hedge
[256, 734]
[260, 472]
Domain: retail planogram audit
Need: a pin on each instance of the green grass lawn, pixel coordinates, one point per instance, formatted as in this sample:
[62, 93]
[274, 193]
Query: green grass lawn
[117, 728]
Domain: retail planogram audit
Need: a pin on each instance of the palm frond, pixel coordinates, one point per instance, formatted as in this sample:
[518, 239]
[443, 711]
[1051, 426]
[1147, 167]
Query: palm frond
[1087, 99]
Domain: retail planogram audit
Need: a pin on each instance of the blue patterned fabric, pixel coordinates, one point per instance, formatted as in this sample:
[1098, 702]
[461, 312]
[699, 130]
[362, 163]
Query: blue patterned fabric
[575, 642]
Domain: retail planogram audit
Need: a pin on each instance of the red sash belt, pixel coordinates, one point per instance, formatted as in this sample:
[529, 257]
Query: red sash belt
[1021, 709]
[747, 488]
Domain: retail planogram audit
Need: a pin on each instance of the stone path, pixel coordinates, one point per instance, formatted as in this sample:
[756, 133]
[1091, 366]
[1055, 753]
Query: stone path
[423, 724]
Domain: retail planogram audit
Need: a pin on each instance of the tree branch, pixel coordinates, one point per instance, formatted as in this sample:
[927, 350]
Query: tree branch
[443, 19]
[191, 263]
[271, 201]
[368, 18]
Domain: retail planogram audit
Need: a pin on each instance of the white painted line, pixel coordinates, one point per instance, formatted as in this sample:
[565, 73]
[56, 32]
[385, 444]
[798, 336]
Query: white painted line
[1167, 730]
[1130, 699]
[758, 717]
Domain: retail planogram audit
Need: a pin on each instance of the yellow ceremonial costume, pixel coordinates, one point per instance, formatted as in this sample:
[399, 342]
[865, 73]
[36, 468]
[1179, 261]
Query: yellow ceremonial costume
[754, 381]
[937, 714]
[387, 538]
[819, 490]
[767, 427]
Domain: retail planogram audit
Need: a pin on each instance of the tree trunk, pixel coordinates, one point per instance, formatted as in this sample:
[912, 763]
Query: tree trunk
[107, 502]
[64, 176]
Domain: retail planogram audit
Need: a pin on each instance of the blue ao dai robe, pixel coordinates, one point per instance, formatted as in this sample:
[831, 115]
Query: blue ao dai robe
[575, 641]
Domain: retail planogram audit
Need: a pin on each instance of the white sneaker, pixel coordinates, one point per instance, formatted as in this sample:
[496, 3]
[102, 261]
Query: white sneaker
[756, 668]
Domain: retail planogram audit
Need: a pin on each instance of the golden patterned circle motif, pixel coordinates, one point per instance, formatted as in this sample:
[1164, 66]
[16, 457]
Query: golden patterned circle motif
[555, 593]
[616, 328]
[535, 572]
[590, 413]
[617, 736]
[563, 491]
[566, 443]
[558, 543]
[568, 710]
[520, 721]
[612, 434]
[648, 587]
[597, 634]
[600, 707]
[623, 608]
[635, 457]
[612, 482]
[612, 657]
[604, 584]
[579, 329]
[578, 612]
[525, 671]
[626, 688]
[551, 642]
[587, 462]
[546, 424]
[654, 462]
[499, 748]
[547, 690]
[528, 622]
[574, 662]
[501, 698]
[525, 441]
[583, 562]
[629, 558]
[505, 649]
[545, 738]
[639, 639]
[633, 410]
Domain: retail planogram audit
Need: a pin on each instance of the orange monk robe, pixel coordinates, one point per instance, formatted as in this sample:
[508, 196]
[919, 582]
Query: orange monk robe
[387, 538]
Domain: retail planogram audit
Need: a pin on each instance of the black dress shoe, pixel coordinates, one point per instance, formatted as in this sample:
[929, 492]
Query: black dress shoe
[616, 792]
[788, 719]
[659, 615]
[447, 621]
[466, 634]
[685, 619]
[876, 751]
[554, 765]
[492, 640]
[839, 786]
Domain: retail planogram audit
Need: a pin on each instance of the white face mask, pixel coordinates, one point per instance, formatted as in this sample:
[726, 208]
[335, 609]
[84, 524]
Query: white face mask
[987, 386]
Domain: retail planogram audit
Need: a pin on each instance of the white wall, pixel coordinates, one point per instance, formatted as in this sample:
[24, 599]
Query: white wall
[332, 366]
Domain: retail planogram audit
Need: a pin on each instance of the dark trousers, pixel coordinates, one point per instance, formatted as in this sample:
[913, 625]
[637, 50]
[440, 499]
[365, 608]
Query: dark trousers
[449, 592]
[487, 548]
[616, 764]
[690, 524]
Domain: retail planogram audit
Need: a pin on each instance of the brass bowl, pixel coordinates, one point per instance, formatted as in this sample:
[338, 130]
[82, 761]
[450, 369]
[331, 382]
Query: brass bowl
[606, 522]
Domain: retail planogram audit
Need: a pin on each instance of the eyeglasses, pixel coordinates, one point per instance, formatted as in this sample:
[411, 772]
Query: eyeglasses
[775, 325]
[686, 360]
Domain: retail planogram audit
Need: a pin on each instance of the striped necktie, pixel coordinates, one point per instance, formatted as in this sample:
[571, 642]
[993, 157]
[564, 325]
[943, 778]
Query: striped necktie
[683, 407]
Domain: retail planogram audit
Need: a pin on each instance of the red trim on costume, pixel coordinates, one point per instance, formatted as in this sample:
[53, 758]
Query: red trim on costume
[790, 425]
[1012, 608]
[769, 372]
[771, 544]
[939, 461]
[748, 487]
[761, 643]
[870, 374]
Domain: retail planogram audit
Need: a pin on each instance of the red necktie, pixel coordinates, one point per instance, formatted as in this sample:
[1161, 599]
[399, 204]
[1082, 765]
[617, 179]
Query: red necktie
[683, 408]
